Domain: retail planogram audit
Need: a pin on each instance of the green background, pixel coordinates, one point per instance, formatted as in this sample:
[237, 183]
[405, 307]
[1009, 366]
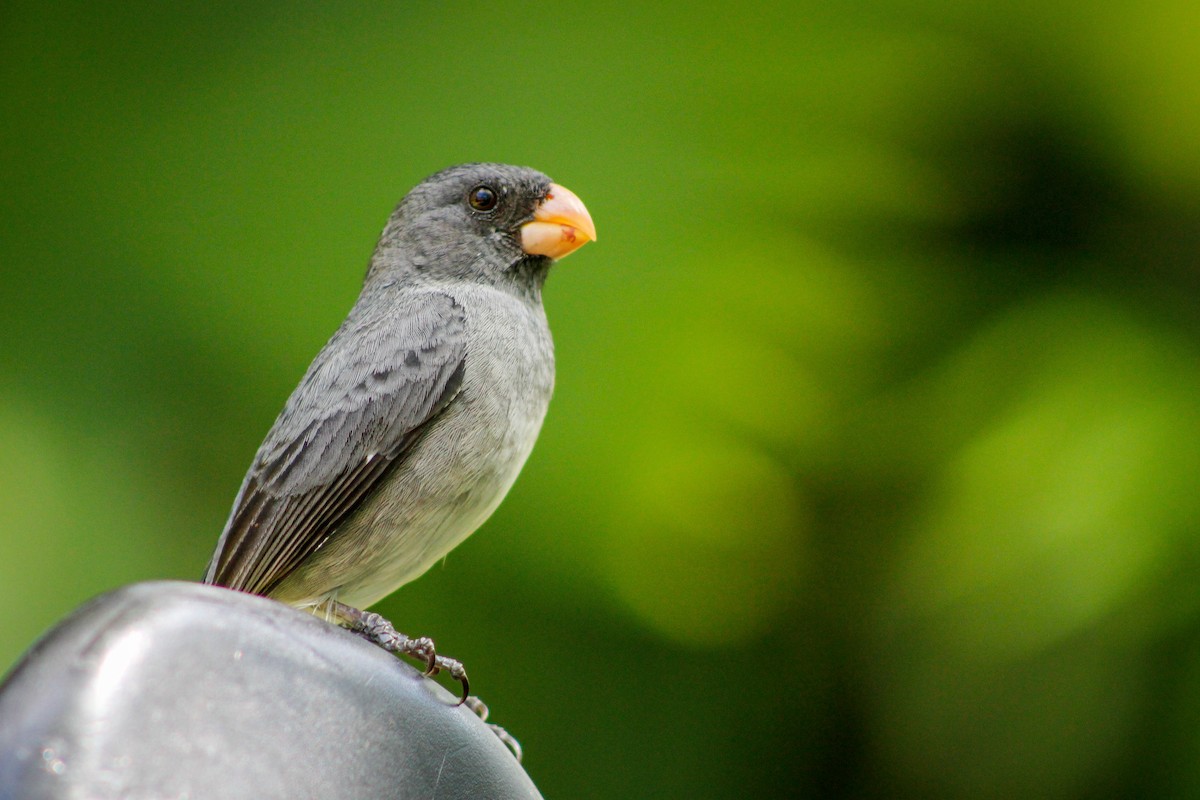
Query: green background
[872, 467]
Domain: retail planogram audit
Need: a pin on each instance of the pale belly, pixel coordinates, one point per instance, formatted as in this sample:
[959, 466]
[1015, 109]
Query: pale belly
[453, 479]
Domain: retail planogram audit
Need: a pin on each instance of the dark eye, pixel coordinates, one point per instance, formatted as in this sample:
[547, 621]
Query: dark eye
[482, 198]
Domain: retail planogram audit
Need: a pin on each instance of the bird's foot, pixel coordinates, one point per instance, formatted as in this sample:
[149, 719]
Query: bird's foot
[481, 709]
[379, 631]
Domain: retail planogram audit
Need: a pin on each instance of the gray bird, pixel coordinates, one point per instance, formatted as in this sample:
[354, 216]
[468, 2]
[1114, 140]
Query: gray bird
[413, 421]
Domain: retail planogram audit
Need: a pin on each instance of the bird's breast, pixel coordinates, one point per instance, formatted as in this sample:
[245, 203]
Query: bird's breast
[467, 460]
[507, 384]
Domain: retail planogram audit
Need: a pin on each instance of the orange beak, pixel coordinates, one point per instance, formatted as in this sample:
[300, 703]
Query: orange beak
[561, 225]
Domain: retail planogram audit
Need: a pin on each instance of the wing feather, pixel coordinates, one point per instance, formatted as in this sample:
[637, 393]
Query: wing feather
[367, 397]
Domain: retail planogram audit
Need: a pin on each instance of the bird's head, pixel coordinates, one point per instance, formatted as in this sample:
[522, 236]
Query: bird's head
[493, 222]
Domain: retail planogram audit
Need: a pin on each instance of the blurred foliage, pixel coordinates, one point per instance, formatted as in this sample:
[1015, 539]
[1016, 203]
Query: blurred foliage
[872, 469]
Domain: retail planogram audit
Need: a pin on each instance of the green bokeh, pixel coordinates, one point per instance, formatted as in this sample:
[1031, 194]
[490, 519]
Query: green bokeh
[872, 468]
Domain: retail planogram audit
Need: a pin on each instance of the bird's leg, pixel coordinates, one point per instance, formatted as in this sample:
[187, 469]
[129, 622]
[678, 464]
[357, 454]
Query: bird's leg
[480, 708]
[378, 630]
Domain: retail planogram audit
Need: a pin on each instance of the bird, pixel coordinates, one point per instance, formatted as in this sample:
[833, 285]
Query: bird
[415, 418]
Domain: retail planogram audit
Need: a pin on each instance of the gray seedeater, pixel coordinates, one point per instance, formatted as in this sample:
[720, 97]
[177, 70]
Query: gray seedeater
[413, 421]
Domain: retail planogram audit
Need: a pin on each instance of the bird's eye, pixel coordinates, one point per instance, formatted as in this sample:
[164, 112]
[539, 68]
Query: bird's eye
[482, 198]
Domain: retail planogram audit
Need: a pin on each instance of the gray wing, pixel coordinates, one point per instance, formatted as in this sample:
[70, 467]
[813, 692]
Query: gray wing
[365, 400]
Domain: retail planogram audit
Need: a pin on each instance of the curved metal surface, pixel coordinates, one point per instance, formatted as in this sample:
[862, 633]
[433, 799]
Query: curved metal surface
[180, 690]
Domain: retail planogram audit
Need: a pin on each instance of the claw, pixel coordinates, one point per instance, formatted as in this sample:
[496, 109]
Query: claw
[478, 706]
[511, 743]
[459, 673]
[431, 665]
[466, 687]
